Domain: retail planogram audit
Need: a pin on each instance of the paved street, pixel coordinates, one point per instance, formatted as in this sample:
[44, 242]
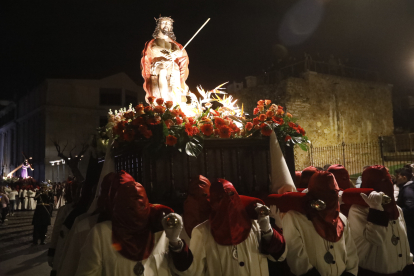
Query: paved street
[17, 254]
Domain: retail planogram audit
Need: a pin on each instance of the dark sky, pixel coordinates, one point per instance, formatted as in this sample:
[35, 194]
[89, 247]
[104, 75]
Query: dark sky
[95, 38]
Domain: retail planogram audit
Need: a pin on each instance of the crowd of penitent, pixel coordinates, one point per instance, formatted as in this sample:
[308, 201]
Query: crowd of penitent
[326, 228]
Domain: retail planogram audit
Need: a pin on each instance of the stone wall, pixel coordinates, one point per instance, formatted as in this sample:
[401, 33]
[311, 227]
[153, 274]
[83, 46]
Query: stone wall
[331, 109]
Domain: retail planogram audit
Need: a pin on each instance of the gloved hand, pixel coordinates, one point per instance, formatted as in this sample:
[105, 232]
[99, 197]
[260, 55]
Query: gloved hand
[374, 200]
[172, 231]
[50, 261]
[263, 221]
[340, 197]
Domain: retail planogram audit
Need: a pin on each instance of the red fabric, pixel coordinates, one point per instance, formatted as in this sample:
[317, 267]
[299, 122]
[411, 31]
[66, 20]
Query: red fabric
[353, 196]
[341, 176]
[275, 247]
[123, 177]
[305, 176]
[229, 221]
[327, 223]
[157, 213]
[182, 260]
[197, 207]
[104, 192]
[131, 229]
[288, 201]
[148, 58]
[250, 204]
[298, 175]
[378, 178]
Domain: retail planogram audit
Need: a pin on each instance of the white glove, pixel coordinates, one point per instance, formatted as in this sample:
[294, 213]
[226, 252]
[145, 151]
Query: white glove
[173, 233]
[374, 200]
[340, 197]
[305, 191]
[263, 221]
[50, 261]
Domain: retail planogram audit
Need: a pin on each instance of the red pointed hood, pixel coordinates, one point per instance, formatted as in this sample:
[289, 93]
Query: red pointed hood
[327, 223]
[378, 178]
[197, 205]
[341, 176]
[305, 177]
[229, 221]
[131, 228]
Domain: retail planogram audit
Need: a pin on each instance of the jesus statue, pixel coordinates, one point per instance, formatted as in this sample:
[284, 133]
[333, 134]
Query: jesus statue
[164, 64]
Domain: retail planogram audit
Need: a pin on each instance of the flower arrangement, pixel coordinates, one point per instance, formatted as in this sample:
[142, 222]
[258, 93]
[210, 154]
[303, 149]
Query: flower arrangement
[161, 124]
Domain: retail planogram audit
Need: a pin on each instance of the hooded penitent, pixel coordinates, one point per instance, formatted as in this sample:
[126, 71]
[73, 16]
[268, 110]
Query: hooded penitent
[341, 176]
[327, 222]
[230, 224]
[131, 228]
[377, 178]
[197, 205]
[305, 177]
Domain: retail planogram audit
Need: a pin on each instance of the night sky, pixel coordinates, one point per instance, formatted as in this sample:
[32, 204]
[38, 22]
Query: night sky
[79, 39]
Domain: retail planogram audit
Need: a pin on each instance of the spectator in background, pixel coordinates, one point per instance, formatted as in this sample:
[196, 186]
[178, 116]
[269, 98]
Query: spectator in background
[326, 167]
[406, 201]
[13, 195]
[4, 202]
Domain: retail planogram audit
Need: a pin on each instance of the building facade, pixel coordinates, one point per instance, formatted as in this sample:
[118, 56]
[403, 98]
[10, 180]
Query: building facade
[67, 111]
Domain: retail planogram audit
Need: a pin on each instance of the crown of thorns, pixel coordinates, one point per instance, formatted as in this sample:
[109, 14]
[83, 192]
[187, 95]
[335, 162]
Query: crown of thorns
[160, 19]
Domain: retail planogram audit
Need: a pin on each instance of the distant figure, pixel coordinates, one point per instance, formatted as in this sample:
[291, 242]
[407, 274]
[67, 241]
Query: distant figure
[41, 218]
[25, 166]
[406, 201]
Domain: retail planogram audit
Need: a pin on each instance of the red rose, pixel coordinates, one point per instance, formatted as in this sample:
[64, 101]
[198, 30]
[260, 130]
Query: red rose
[217, 132]
[175, 112]
[267, 102]
[169, 104]
[280, 112]
[262, 117]
[153, 121]
[178, 120]
[138, 121]
[256, 121]
[265, 130]
[207, 129]
[189, 129]
[191, 120]
[151, 99]
[261, 102]
[301, 130]
[129, 115]
[171, 140]
[169, 123]
[195, 130]
[289, 115]
[140, 109]
[255, 111]
[287, 138]
[147, 109]
[159, 109]
[160, 101]
[214, 112]
[293, 125]
[249, 126]
[269, 114]
[277, 120]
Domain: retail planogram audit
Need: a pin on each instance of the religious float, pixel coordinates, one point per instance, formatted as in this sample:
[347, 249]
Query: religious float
[178, 135]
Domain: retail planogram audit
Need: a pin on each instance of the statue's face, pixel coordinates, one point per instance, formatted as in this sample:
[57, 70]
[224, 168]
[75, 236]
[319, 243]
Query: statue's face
[166, 26]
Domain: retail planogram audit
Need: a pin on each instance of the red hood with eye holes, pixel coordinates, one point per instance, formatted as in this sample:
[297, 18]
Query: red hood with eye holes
[230, 224]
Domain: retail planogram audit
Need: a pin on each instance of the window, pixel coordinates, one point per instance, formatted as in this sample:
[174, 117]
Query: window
[110, 96]
[130, 98]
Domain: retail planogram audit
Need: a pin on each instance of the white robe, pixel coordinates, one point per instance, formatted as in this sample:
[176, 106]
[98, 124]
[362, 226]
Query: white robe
[59, 234]
[375, 249]
[212, 259]
[306, 248]
[74, 242]
[26, 199]
[98, 257]
[31, 205]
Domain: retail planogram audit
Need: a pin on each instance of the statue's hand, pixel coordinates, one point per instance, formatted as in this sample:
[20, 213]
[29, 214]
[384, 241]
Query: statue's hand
[166, 54]
[176, 54]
